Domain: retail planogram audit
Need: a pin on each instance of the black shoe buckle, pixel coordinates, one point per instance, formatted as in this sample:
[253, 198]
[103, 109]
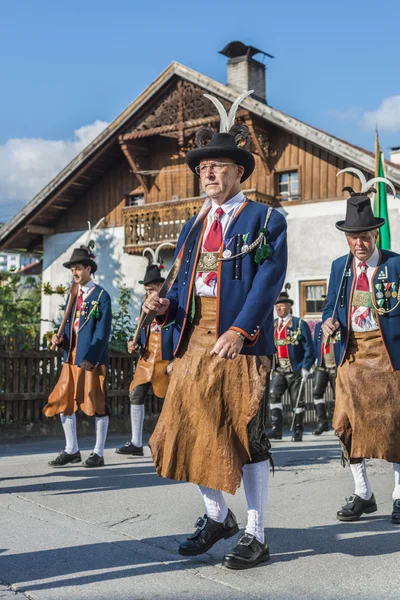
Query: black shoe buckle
[201, 523]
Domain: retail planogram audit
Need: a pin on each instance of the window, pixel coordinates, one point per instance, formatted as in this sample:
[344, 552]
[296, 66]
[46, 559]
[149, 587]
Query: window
[135, 200]
[288, 185]
[312, 300]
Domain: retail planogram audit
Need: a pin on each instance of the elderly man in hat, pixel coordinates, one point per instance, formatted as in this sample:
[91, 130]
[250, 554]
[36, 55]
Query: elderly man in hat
[326, 360]
[211, 429]
[367, 331]
[82, 381]
[294, 359]
[151, 368]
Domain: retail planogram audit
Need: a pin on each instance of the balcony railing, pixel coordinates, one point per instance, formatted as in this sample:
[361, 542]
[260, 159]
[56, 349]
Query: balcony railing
[152, 224]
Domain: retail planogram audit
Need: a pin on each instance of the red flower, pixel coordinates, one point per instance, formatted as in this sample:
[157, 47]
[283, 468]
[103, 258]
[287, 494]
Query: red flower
[161, 267]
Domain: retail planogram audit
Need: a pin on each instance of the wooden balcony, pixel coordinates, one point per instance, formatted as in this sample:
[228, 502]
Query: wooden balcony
[152, 224]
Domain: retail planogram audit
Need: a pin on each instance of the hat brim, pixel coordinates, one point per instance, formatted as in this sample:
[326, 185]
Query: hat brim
[85, 262]
[285, 301]
[341, 225]
[238, 155]
[156, 280]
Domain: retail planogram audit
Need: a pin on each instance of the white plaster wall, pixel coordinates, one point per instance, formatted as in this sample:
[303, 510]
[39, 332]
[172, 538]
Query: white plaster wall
[115, 268]
[314, 242]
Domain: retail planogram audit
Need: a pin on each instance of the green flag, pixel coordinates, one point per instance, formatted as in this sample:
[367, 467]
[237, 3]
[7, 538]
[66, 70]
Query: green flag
[380, 205]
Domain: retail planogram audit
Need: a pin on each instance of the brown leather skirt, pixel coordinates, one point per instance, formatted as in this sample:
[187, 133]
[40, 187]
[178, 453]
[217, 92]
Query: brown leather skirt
[201, 435]
[151, 369]
[367, 408]
[75, 389]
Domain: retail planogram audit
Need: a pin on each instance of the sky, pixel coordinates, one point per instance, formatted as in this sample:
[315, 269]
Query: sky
[68, 69]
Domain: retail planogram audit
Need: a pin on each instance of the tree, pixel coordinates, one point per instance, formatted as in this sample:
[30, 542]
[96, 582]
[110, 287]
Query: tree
[20, 300]
[122, 328]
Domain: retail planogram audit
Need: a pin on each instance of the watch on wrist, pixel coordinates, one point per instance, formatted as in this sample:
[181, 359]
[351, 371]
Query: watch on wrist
[242, 337]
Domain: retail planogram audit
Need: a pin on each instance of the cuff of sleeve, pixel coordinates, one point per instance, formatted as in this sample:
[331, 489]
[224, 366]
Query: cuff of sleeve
[251, 338]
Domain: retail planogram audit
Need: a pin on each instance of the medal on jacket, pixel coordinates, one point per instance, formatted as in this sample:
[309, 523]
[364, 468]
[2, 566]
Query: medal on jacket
[227, 253]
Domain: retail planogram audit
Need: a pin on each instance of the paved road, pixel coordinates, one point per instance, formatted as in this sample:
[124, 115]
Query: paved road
[112, 533]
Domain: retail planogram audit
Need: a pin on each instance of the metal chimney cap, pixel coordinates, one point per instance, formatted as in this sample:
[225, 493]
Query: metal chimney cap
[237, 49]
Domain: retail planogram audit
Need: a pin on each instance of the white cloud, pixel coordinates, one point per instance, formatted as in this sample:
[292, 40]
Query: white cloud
[28, 164]
[386, 117]
[350, 114]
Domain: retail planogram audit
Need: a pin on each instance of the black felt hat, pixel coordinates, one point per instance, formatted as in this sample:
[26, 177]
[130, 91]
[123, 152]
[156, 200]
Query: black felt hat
[83, 256]
[284, 297]
[222, 145]
[359, 216]
[152, 275]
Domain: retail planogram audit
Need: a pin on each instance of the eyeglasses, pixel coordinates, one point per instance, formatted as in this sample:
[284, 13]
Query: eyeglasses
[215, 167]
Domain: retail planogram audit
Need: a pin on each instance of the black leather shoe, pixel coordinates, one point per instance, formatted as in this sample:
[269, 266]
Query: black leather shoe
[64, 459]
[207, 534]
[321, 427]
[130, 450]
[274, 433]
[297, 436]
[396, 512]
[248, 553]
[355, 507]
[93, 460]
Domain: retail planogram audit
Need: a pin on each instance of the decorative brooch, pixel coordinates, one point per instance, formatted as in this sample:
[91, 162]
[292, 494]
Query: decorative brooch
[264, 251]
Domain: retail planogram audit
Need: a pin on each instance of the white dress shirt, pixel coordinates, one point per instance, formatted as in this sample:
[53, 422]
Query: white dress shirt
[369, 324]
[285, 321]
[87, 289]
[230, 208]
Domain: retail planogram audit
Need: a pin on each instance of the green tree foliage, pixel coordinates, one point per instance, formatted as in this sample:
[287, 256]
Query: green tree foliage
[20, 300]
[122, 328]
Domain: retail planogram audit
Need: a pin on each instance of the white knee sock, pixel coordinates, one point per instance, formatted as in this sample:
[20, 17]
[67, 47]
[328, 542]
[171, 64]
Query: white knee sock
[256, 484]
[137, 418]
[362, 486]
[101, 434]
[214, 501]
[396, 491]
[71, 438]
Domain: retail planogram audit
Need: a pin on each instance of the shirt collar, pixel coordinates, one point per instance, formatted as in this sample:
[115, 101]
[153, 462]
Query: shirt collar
[285, 319]
[230, 205]
[372, 261]
[88, 286]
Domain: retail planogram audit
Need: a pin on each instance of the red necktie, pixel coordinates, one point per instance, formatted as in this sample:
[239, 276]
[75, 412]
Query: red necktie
[362, 280]
[362, 285]
[79, 303]
[213, 241]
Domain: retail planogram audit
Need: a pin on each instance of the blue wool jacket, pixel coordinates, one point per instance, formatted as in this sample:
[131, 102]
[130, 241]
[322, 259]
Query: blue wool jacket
[167, 332]
[301, 355]
[318, 346]
[93, 336]
[246, 292]
[387, 272]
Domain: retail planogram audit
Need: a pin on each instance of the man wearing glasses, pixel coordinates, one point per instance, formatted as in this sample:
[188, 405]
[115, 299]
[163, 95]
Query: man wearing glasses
[211, 429]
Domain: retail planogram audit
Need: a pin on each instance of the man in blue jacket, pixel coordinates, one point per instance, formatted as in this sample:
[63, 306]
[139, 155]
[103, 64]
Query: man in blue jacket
[151, 368]
[82, 381]
[294, 359]
[211, 429]
[367, 332]
[326, 359]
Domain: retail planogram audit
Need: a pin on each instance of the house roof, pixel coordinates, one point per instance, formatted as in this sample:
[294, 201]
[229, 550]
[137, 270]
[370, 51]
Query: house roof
[63, 189]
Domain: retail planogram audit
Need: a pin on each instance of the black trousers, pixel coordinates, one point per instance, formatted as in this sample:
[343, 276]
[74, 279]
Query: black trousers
[259, 444]
[286, 380]
[322, 377]
[138, 395]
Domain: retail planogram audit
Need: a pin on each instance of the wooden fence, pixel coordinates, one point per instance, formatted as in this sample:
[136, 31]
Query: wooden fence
[28, 376]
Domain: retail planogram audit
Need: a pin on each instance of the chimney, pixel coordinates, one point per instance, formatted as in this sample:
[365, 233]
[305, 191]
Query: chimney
[395, 155]
[244, 72]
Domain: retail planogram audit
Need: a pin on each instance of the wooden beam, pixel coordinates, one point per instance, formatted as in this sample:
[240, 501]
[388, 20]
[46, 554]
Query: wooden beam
[257, 145]
[125, 149]
[143, 133]
[39, 229]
